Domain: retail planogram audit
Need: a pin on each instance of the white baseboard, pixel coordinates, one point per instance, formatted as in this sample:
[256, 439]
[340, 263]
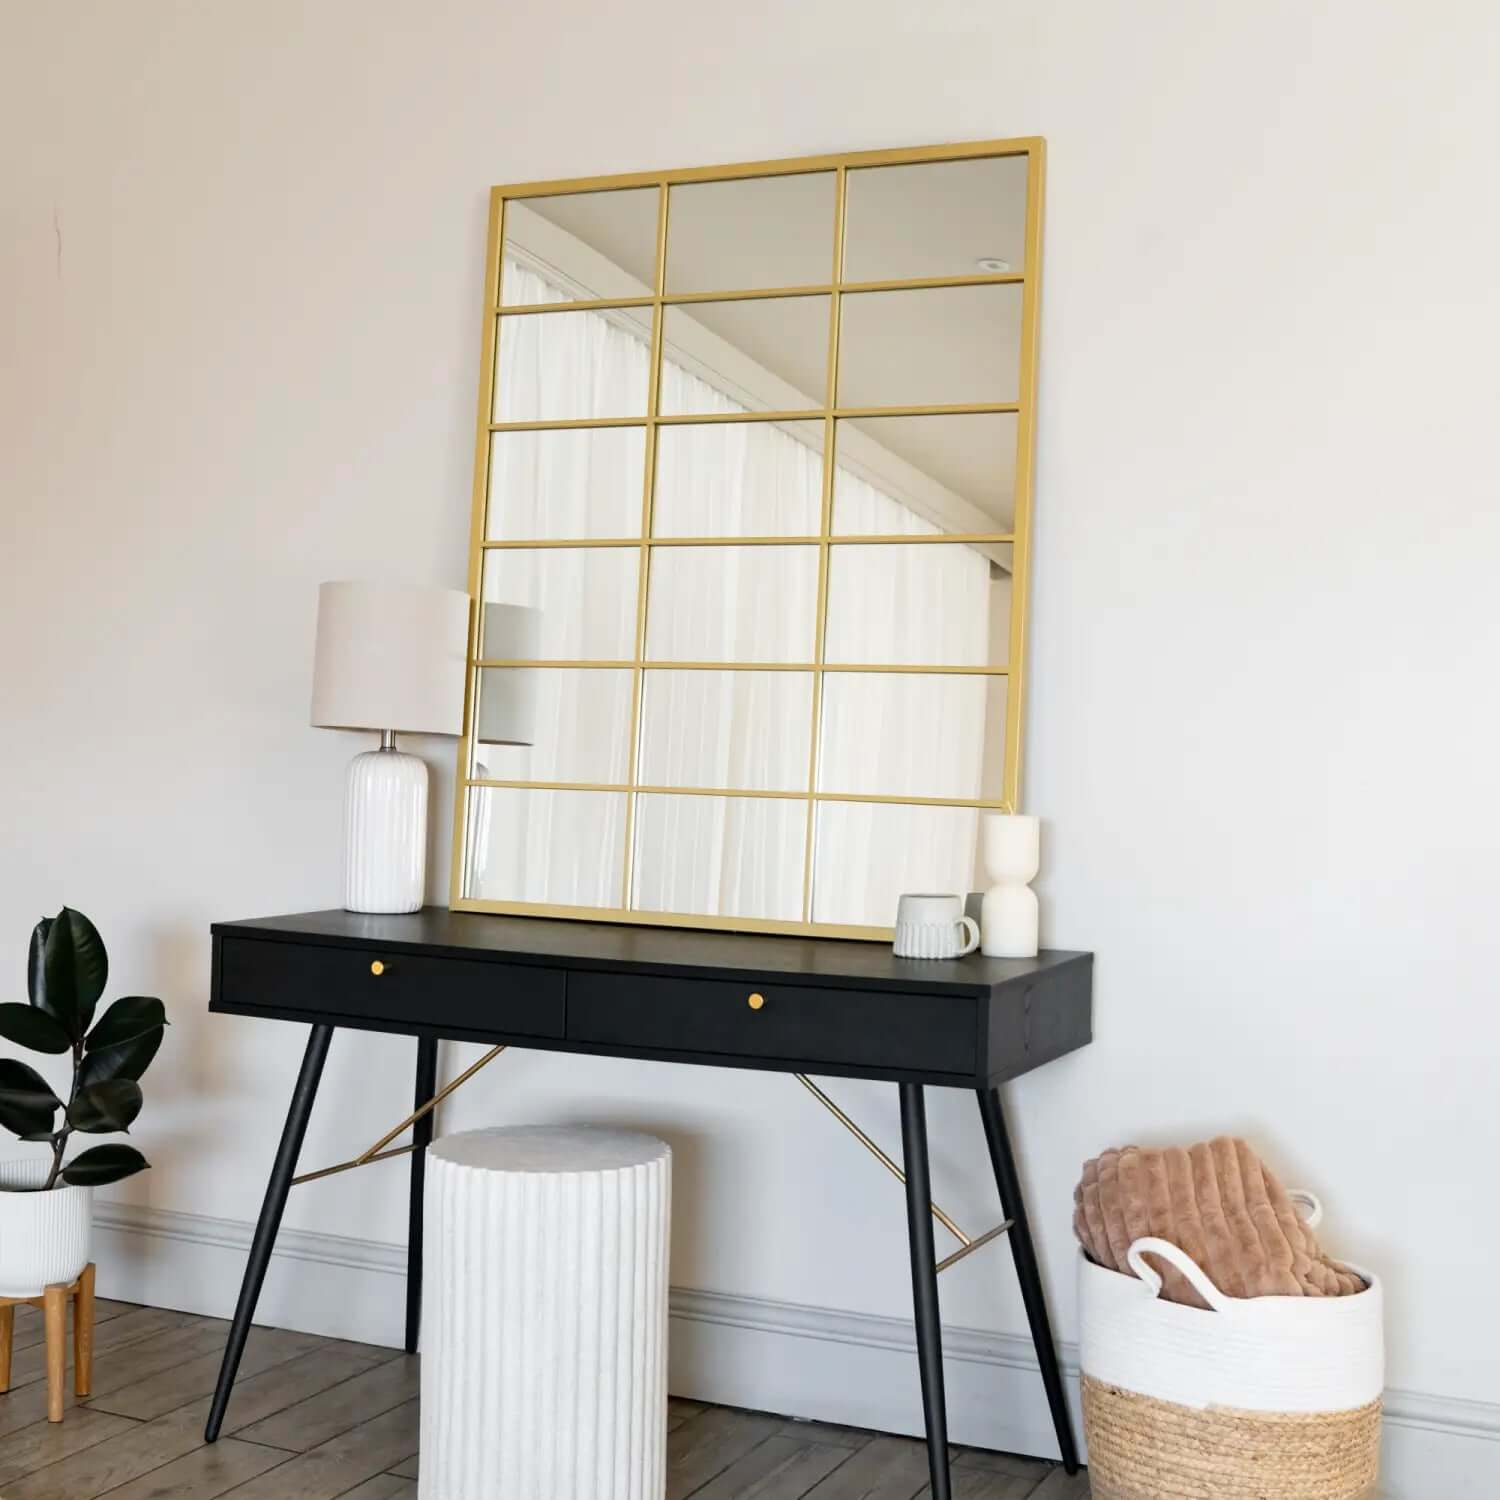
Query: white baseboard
[852, 1368]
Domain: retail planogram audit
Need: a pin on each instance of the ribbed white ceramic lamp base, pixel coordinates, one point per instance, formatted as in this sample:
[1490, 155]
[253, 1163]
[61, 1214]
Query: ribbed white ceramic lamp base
[385, 832]
[544, 1316]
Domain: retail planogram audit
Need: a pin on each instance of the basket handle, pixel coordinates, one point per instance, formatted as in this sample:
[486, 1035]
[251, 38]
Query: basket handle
[1309, 1206]
[1184, 1263]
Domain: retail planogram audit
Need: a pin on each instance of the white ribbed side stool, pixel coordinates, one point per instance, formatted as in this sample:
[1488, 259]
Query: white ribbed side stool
[544, 1315]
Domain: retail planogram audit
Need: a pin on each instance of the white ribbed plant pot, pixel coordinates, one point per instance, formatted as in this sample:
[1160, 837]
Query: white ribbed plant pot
[385, 832]
[544, 1316]
[46, 1239]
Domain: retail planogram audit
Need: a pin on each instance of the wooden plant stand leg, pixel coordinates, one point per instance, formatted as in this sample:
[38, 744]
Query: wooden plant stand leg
[83, 1333]
[55, 1315]
[53, 1302]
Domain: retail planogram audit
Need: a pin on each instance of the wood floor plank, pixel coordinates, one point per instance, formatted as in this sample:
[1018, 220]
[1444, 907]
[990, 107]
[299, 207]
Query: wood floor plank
[1062, 1486]
[705, 1445]
[383, 1487]
[148, 1446]
[886, 1468]
[30, 1364]
[147, 1358]
[984, 1484]
[824, 1432]
[780, 1468]
[175, 1386]
[30, 1328]
[679, 1410]
[1037, 1469]
[313, 1421]
[337, 1466]
[203, 1474]
[263, 1395]
[407, 1469]
[145, 1446]
[46, 1442]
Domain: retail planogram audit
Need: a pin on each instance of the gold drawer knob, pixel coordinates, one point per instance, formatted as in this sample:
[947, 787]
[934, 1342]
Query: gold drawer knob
[757, 1000]
[377, 968]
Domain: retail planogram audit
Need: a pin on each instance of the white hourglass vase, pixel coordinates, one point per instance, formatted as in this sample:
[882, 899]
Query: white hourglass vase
[1011, 847]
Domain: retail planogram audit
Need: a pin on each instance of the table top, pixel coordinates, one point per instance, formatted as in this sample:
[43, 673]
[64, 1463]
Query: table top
[618, 947]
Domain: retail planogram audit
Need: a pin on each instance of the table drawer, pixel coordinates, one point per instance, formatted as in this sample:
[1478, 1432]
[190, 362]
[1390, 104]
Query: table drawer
[793, 1023]
[504, 998]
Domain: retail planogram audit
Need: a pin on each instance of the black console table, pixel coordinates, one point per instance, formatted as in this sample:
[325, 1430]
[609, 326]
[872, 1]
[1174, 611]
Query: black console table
[791, 1005]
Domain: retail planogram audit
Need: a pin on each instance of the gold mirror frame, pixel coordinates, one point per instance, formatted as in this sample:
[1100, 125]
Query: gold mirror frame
[657, 303]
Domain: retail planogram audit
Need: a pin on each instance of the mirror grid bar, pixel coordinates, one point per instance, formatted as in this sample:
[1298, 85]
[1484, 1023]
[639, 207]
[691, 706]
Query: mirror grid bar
[646, 789]
[861, 539]
[761, 294]
[803, 414]
[643, 575]
[825, 525]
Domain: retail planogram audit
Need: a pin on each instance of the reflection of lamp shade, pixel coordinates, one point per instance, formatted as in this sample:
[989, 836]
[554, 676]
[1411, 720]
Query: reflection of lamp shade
[390, 657]
[507, 696]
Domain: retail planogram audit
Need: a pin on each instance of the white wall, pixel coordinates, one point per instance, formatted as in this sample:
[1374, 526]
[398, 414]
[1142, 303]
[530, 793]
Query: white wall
[242, 260]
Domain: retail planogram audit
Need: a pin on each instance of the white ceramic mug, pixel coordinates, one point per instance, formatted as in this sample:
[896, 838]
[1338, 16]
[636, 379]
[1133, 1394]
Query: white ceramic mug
[934, 927]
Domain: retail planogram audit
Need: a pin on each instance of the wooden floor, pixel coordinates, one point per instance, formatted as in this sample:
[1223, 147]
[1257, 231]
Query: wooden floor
[315, 1418]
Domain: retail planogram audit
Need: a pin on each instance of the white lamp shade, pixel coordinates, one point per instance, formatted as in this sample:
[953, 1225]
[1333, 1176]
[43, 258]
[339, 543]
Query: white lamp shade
[507, 695]
[390, 656]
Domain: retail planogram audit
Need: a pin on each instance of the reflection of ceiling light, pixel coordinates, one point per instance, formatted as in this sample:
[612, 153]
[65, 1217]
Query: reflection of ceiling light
[992, 265]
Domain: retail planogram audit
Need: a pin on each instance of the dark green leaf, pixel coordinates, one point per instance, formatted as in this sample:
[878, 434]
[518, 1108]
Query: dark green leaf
[105, 1107]
[41, 1135]
[33, 1029]
[128, 1060]
[125, 1020]
[34, 971]
[73, 968]
[103, 1164]
[26, 1103]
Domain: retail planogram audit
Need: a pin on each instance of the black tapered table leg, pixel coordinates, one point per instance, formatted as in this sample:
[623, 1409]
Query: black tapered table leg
[1014, 1207]
[282, 1172]
[924, 1286]
[421, 1135]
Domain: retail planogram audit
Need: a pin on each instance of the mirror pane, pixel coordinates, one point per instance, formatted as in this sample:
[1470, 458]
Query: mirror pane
[935, 347]
[937, 604]
[584, 598]
[867, 854]
[741, 731]
[914, 475]
[950, 218]
[767, 354]
[574, 247]
[563, 366]
[753, 604]
[552, 724]
[564, 483]
[561, 848]
[751, 233]
[720, 856]
[738, 479]
[878, 739]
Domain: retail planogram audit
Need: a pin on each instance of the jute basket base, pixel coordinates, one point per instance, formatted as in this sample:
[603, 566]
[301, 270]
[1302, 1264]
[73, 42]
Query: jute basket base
[1144, 1449]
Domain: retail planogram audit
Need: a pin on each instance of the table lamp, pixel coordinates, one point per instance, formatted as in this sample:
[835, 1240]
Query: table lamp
[389, 658]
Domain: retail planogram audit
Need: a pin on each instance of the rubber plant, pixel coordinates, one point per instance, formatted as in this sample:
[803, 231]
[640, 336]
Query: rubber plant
[66, 973]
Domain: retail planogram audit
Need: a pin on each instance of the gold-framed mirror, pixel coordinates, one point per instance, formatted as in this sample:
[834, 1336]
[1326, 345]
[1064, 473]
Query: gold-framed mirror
[751, 537]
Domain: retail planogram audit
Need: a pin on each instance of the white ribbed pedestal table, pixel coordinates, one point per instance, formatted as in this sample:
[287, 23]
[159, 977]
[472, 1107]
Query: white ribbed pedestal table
[544, 1315]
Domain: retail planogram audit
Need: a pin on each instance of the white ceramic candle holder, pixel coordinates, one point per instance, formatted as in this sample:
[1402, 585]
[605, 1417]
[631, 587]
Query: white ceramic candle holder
[1011, 847]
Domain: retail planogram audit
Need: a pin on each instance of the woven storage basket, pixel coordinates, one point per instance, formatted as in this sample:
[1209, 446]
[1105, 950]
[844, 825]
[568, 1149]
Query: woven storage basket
[1262, 1398]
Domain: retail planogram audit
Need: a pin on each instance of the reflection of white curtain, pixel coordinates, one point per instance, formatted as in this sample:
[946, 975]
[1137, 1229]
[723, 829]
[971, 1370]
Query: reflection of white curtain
[881, 733]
